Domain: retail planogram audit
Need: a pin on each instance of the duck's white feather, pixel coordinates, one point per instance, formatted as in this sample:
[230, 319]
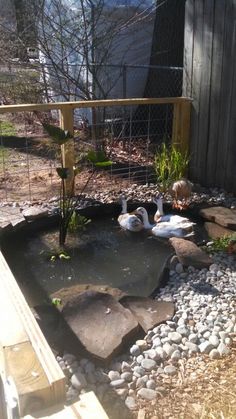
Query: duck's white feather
[129, 221]
[160, 217]
[166, 229]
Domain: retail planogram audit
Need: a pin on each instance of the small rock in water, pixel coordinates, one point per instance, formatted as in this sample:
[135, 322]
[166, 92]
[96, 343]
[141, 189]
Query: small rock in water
[78, 381]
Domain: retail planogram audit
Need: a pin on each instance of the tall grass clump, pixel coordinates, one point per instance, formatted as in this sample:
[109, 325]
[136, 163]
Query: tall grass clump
[170, 164]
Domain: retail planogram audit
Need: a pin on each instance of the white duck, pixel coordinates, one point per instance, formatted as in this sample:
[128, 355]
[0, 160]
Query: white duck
[127, 220]
[166, 229]
[160, 217]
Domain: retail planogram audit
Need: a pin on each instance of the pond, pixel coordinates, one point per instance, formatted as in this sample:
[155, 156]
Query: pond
[101, 255]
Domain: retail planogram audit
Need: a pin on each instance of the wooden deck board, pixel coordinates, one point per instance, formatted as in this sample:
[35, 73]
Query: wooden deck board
[27, 356]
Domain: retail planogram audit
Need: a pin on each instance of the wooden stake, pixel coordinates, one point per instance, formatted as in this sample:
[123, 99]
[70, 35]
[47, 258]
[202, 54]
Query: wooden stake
[67, 150]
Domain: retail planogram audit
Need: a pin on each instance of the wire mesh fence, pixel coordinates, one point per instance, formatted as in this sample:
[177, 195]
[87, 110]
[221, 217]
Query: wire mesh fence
[128, 135]
[37, 82]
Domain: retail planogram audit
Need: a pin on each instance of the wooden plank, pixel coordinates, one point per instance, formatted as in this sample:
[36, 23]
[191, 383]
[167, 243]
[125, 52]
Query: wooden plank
[33, 389]
[67, 150]
[230, 178]
[188, 48]
[197, 16]
[91, 104]
[226, 86]
[204, 99]
[216, 90]
[181, 126]
[16, 314]
[88, 407]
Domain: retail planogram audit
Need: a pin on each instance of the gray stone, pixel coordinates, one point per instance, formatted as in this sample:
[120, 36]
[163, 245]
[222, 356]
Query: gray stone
[170, 370]
[192, 347]
[223, 349]
[193, 338]
[147, 393]
[205, 347]
[160, 352]
[152, 354]
[139, 370]
[176, 355]
[151, 384]
[179, 268]
[114, 375]
[88, 317]
[189, 254]
[127, 376]
[140, 382]
[147, 311]
[34, 212]
[139, 359]
[223, 216]
[117, 383]
[183, 330]
[148, 364]
[135, 350]
[78, 381]
[130, 402]
[168, 349]
[122, 392]
[214, 340]
[175, 337]
[214, 354]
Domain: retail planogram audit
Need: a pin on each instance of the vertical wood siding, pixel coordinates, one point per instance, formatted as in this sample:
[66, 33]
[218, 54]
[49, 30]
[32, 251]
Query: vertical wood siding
[209, 78]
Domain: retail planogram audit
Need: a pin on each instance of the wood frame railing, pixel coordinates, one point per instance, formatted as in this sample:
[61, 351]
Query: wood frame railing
[180, 126]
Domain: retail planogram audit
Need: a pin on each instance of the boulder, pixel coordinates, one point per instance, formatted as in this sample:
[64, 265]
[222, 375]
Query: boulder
[101, 324]
[216, 231]
[34, 212]
[189, 254]
[223, 216]
[11, 215]
[149, 313]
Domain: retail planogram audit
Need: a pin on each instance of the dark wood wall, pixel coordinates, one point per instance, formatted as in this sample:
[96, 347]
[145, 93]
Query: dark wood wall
[210, 79]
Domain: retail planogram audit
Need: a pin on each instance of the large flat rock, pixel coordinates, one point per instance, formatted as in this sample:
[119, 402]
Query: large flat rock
[12, 215]
[149, 313]
[100, 323]
[223, 216]
[215, 231]
[189, 254]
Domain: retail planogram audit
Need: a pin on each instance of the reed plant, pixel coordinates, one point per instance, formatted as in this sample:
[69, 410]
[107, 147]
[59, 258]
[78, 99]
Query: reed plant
[170, 164]
[69, 220]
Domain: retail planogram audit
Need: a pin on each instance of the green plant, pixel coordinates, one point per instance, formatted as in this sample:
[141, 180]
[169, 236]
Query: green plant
[170, 164]
[7, 129]
[77, 222]
[221, 244]
[68, 203]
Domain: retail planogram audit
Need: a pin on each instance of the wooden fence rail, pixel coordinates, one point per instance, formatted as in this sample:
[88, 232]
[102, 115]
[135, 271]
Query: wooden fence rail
[180, 125]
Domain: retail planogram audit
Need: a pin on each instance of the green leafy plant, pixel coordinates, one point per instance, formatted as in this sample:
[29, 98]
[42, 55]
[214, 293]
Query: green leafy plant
[56, 302]
[221, 244]
[170, 164]
[69, 219]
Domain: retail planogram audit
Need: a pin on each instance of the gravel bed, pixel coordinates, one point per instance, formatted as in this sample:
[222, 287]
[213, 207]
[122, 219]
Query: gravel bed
[140, 193]
[203, 326]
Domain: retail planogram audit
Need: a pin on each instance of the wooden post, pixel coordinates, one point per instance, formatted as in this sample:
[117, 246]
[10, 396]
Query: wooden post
[67, 150]
[181, 125]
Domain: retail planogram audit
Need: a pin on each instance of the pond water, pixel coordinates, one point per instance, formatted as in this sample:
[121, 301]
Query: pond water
[102, 255]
